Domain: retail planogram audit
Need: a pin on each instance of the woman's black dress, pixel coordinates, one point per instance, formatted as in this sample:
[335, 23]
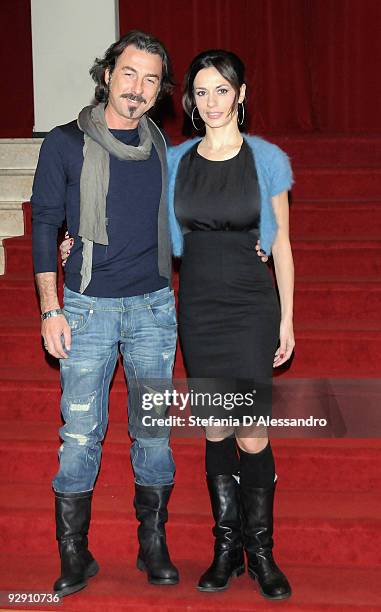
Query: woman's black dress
[229, 313]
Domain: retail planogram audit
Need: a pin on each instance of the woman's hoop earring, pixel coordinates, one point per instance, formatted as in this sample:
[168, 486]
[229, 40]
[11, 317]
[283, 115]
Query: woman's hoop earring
[193, 123]
[240, 121]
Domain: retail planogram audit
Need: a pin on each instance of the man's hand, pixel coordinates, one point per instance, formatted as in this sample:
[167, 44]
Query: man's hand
[260, 253]
[52, 328]
[52, 331]
[65, 247]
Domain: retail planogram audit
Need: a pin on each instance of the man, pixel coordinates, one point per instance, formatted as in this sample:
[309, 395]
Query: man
[106, 175]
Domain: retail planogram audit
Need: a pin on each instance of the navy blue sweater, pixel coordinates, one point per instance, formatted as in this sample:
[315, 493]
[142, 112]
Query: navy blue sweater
[129, 264]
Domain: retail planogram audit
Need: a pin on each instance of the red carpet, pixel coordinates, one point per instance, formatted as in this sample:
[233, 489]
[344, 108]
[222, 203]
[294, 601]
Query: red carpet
[328, 523]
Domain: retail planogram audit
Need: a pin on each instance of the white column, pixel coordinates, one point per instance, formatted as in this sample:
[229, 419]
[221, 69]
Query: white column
[67, 35]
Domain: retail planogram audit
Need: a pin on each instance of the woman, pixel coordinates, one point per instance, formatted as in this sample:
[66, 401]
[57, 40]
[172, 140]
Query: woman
[226, 191]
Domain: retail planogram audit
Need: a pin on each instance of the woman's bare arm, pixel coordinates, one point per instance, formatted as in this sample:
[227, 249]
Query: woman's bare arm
[284, 270]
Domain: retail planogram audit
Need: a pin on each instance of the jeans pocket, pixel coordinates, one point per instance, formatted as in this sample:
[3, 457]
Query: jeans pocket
[163, 311]
[78, 310]
[77, 317]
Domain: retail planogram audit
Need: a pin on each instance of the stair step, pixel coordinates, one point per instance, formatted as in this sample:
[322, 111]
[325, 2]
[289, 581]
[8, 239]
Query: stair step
[19, 153]
[337, 183]
[335, 220]
[335, 259]
[350, 406]
[18, 256]
[313, 301]
[194, 501]
[342, 303]
[325, 353]
[318, 219]
[314, 537]
[322, 464]
[11, 219]
[338, 358]
[120, 587]
[16, 185]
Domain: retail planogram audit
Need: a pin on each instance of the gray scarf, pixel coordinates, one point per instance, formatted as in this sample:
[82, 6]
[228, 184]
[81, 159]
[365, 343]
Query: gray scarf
[99, 143]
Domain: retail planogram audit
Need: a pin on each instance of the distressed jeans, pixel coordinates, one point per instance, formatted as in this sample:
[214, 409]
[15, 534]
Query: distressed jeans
[144, 328]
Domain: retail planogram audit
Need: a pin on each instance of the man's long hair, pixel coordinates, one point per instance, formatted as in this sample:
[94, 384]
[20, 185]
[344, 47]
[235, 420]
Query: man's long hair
[142, 41]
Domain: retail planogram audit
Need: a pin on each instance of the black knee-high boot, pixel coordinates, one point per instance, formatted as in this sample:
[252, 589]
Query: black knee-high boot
[228, 561]
[257, 514]
[73, 513]
[228, 558]
[151, 510]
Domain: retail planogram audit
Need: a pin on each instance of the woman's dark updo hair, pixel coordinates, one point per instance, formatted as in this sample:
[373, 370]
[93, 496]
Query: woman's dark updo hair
[228, 65]
[143, 42]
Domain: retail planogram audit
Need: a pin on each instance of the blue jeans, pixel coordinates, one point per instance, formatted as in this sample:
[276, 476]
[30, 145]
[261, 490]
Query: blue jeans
[145, 329]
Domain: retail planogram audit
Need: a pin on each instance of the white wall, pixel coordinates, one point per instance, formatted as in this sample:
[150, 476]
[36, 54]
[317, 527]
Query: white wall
[67, 35]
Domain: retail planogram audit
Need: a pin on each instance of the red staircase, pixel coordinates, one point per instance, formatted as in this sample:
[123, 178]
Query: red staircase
[328, 527]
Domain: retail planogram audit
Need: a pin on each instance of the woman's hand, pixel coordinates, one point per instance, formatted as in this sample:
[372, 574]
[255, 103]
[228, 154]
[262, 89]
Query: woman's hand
[65, 248]
[287, 343]
[260, 253]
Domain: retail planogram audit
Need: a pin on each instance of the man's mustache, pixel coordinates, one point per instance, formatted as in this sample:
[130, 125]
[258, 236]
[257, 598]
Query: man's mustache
[133, 97]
